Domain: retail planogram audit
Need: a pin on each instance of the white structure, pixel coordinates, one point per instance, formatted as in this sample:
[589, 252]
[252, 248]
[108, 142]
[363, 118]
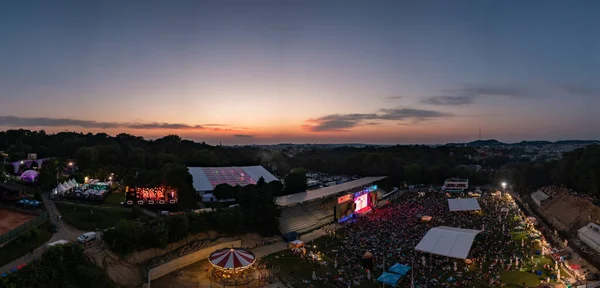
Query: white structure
[205, 179]
[448, 241]
[325, 192]
[456, 184]
[590, 235]
[463, 204]
[538, 197]
[209, 198]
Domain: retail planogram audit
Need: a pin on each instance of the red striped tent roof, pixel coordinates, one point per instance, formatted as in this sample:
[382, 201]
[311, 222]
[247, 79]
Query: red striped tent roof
[231, 258]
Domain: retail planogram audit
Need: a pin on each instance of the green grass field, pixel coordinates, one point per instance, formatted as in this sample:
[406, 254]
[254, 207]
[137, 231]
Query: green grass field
[115, 198]
[25, 243]
[90, 218]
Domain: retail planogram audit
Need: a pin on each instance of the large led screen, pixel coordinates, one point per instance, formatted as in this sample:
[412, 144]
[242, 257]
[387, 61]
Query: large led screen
[361, 202]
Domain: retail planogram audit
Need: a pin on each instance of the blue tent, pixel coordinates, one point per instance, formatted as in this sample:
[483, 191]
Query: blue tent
[389, 278]
[399, 269]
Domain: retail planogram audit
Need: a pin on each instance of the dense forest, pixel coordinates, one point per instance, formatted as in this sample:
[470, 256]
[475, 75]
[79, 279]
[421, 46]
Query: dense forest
[163, 161]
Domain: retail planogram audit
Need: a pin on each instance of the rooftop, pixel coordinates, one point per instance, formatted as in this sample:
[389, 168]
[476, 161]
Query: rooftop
[207, 178]
[324, 192]
[448, 241]
[457, 180]
[463, 204]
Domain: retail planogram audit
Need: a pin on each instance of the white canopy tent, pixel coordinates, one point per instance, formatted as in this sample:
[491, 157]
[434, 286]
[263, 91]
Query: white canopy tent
[448, 241]
[463, 204]
[60, 188]
[67, 185]
[73, 182]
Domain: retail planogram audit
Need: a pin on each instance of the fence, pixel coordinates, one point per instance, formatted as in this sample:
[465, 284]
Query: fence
[14, 233]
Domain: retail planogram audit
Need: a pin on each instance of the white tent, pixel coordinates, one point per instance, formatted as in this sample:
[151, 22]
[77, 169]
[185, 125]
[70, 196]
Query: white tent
[463, 204]
[66, 185]
[448, 241]
[60, 188]
[73, 183]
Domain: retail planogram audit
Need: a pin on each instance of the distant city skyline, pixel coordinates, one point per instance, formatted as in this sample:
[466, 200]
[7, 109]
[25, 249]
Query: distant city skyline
[268, 72]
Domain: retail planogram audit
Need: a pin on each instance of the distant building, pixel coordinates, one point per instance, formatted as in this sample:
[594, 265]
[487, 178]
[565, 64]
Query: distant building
[539, 197]
[205, 179]
[456, 185]
[590, 235]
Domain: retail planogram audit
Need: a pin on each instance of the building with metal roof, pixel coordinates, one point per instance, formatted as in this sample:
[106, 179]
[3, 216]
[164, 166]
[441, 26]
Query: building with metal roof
[325, 192]
[538, 197]
[207, 178]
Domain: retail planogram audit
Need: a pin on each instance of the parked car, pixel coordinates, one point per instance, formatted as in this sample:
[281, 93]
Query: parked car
[86, 237]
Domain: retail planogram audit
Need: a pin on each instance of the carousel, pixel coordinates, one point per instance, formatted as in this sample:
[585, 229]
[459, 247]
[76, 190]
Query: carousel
[232, 267]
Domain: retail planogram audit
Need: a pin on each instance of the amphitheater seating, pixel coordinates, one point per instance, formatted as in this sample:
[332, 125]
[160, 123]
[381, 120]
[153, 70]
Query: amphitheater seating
[298, 224]
[293, 211]
[306, 217]
[318, 210]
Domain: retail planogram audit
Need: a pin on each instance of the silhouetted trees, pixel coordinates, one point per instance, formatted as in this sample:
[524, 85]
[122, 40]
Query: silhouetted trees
[60, 266]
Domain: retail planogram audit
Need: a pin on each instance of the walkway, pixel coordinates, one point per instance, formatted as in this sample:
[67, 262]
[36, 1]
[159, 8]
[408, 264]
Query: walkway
[576, 258]
[65, 232]
[282, 245]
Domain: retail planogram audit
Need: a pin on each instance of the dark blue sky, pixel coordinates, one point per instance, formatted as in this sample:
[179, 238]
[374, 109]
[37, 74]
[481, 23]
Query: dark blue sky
[304, 71]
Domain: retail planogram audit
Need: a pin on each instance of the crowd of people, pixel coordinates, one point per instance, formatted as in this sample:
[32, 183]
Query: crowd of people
[391, 233]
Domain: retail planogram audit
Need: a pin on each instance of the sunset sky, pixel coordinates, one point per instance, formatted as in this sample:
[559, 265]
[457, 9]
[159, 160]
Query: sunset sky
[261, 72]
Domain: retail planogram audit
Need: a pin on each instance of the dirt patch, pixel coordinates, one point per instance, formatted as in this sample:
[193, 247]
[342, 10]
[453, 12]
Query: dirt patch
[123, 273]
[569, 213]
[12, 219]
[128, 271]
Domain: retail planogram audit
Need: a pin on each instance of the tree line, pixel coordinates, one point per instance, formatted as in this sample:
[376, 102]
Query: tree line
[138, 161]
[256, 213]
[60, 266]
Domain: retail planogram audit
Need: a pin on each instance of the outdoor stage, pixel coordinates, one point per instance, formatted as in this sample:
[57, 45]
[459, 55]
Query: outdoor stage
[12, 219]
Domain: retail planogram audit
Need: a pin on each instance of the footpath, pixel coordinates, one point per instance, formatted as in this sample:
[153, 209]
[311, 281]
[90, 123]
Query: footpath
[576, 258]
[65, 232]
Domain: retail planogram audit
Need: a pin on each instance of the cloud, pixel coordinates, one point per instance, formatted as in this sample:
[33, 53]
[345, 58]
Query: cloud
[344, 122]
[243, 136]
[173, 126]
[469, 94]
[394, 97]
[13, 121]
[449, 100]
[580, 90]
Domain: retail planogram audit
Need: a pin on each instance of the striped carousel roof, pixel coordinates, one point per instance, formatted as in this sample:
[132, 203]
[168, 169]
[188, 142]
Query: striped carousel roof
[231, 258]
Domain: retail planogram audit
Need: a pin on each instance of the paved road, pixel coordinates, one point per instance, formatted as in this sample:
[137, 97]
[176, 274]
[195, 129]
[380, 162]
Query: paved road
[65, 232]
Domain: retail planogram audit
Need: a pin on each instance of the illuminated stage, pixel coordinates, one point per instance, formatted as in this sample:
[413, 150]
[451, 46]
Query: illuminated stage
[351, 205]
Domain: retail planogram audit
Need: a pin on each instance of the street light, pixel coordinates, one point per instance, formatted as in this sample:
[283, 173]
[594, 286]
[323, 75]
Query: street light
[70, 163]
[86, 179]
[503, 187]
[110, 178]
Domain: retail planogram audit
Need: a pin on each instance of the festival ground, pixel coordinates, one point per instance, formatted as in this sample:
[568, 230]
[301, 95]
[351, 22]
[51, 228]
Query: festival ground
[391, 234]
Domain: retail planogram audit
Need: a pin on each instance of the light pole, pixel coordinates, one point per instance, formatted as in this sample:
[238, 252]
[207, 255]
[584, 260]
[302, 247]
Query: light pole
[503, 188]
